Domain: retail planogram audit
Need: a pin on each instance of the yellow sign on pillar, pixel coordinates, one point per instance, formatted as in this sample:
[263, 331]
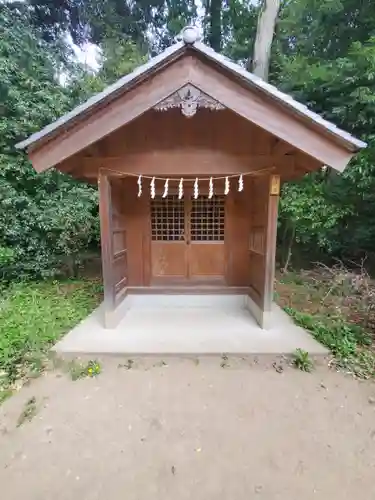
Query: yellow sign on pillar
[275, 185]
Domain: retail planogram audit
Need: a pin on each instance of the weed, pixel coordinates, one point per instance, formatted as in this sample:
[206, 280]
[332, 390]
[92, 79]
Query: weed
[34, 316]
[302, 361]
[28, 412]
[80, 370]
[161, 364]
[291, 278]
[346, 341]
[128, 365]
[224, 363]
[5, 394]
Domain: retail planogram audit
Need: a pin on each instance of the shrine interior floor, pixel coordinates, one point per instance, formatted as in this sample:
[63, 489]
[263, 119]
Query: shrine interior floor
[188, 324]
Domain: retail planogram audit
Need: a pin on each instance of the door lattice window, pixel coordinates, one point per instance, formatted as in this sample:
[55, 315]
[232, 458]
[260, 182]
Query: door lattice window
[167, 219]
[207, 219]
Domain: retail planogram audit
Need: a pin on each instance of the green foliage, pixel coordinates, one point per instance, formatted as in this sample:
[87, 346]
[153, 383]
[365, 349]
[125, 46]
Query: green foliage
[4, 394]
[239, 29]
[6, 256]
[35, 316]
[346, 341]
[302, 361]
[323, 54]
[44, 219]
[330, 66]
[151, 25]
[47, 221]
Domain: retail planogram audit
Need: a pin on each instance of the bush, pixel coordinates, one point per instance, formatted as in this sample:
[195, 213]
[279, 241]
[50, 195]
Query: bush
[346, 341]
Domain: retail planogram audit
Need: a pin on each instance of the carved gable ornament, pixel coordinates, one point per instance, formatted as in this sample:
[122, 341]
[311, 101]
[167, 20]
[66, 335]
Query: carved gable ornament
[189, 99]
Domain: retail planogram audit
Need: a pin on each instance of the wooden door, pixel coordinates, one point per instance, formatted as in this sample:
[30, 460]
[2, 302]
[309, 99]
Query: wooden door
[187, 239]
[206, 255]
[168, 238]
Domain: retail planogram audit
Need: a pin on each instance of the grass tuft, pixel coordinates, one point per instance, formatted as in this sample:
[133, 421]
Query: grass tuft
[302, 360]
[83, 370]
[28, 413]
[349, 343]
[36, 315]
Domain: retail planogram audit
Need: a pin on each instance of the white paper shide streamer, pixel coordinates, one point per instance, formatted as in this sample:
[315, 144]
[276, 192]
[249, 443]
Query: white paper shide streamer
[240, 183]
[226, 190]
[181, 189]
[165, 194]
[211, 188]
[152, 188]
[196, 188]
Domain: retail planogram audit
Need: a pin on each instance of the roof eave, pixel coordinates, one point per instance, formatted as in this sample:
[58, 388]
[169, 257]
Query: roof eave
[109, 93]
[347, 140]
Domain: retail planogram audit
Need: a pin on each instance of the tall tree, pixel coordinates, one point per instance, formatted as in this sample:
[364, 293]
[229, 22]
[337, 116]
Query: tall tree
[264, 36]
[324, 29]
[43, 218]
[213, 23]
[239, 29]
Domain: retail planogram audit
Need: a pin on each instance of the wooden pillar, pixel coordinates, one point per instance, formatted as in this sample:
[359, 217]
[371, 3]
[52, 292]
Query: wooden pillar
[271, 234]
[264, 194]
[106, 231]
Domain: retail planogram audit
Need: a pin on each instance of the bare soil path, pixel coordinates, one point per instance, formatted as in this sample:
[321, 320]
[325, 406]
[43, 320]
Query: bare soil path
[191, 430]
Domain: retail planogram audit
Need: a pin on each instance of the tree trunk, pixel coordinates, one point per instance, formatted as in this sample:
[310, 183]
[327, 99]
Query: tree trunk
[265, 30]
[214, 24]
[289, 249]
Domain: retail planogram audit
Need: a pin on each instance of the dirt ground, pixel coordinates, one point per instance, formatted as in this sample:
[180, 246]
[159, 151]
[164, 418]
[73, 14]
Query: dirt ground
[191, 429]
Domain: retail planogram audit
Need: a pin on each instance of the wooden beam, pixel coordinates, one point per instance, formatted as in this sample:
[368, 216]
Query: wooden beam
[106, 230]
[270, 256]
[111, 117]
[182, 162]
[271, 117]
[281, 148]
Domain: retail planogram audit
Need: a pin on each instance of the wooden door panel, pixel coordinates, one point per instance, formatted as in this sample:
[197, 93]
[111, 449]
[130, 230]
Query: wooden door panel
[206, 254]
[188, 237]
[237, 238]
[168, 233]
[168, 259]
[206, 260]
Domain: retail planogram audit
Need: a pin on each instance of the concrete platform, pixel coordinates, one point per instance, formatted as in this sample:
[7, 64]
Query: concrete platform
[188, 325]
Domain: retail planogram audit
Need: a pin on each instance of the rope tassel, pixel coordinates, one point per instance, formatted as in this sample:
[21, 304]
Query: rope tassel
[211, 188]
[152, 188]
[240, 183]
[238, 178]
[181, 189]
[196, 188]
[226, 190]
[165, 194]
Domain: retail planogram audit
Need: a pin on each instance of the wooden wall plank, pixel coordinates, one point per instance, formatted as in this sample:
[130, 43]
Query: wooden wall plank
[237, 230]
[179, 162]
[232, 145]
[258, 193]
[136, 215]
[119, 241]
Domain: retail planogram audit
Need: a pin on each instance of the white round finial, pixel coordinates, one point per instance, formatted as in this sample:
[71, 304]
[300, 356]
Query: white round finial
[190, 35]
